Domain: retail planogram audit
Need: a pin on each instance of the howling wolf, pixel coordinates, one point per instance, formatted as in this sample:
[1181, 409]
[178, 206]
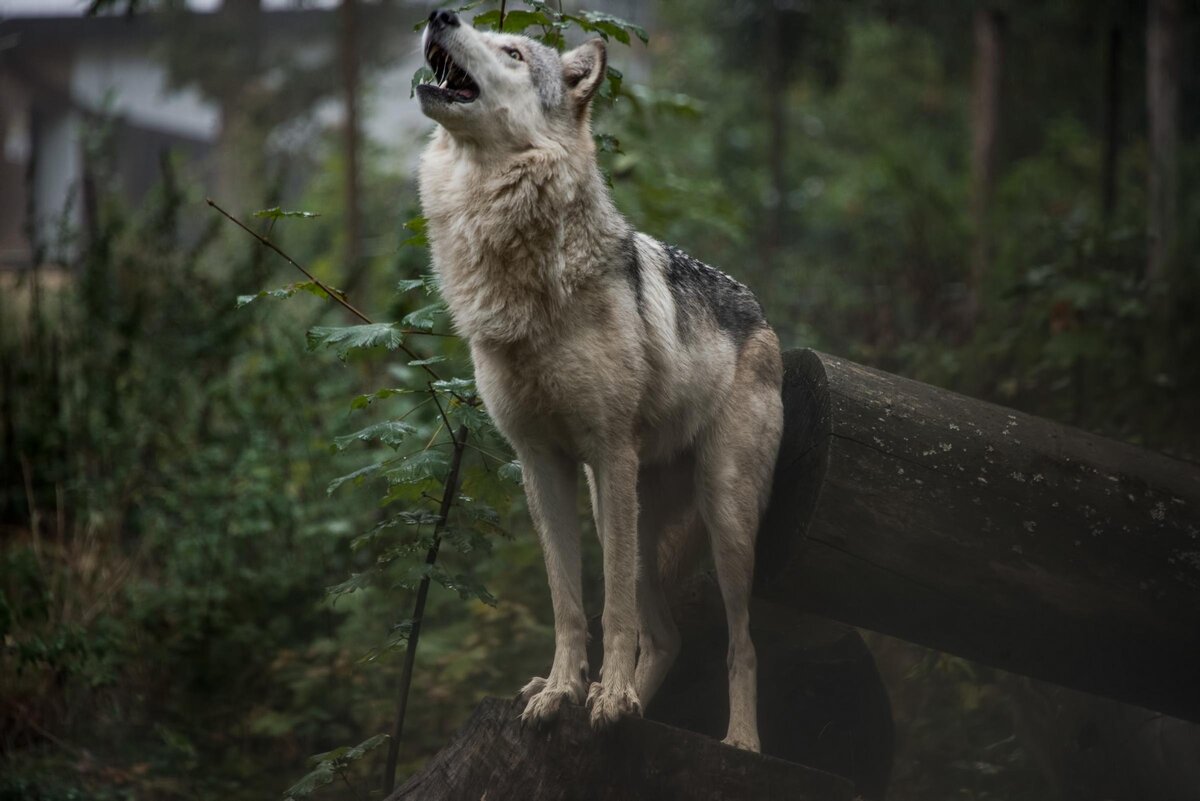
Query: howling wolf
[599, 346]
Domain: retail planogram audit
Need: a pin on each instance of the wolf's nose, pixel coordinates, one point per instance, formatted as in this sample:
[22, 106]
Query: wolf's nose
[443, 19]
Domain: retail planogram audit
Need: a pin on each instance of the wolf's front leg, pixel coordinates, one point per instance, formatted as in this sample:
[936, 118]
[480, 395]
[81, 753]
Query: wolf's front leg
[550, 485]
[615, 496]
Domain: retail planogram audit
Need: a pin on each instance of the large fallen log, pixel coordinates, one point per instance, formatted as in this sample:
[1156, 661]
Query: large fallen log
[495, 758]
[822, 701]
[987, 533]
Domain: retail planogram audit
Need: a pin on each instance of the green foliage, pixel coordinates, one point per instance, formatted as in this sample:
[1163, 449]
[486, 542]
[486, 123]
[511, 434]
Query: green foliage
[330, 765]
[284, 292]
[390, 432]
[344, 339]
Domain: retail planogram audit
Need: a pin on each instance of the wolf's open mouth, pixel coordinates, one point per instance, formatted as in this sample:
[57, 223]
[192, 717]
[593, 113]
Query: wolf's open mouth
[451, 79]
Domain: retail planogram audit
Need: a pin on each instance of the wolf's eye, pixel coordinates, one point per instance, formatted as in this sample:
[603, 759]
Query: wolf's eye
[514, 53]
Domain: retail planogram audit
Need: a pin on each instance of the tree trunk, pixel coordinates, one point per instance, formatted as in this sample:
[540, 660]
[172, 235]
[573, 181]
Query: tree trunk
[495, 757]
[241, 158]
[1111, 122]
[352, 254]
[985, 122]
[775, 81]
[990, 534]
[1162, 99]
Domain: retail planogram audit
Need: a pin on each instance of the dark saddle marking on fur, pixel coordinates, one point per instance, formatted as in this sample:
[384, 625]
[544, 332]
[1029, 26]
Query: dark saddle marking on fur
[633, 271]
[699, 289]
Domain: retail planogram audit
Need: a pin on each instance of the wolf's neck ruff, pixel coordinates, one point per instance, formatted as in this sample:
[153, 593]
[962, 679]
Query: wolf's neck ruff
[515, 238]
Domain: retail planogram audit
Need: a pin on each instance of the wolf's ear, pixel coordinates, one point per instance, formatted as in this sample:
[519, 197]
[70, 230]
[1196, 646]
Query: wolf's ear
[583, 70]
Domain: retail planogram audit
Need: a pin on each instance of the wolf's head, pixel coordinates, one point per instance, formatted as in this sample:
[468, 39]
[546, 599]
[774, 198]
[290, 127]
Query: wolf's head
[503, 90]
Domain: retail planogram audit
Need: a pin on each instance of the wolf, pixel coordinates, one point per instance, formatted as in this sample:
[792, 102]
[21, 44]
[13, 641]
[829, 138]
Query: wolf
[599, 346]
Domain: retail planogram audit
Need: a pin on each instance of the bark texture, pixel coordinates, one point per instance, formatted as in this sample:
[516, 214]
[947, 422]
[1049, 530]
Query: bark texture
[1162, 99]
[987, 533]
[985, 126]
[495, 758]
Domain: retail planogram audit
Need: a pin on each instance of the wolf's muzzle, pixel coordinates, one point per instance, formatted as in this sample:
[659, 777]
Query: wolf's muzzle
[443, 19]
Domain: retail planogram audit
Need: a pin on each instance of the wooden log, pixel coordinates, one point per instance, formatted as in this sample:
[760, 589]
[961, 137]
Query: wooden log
[494, 757]
[822, 702]
[987, 533]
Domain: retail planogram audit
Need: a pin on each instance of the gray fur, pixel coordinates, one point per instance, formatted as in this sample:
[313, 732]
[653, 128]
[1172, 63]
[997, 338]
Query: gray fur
[701, 289]
[599, 347]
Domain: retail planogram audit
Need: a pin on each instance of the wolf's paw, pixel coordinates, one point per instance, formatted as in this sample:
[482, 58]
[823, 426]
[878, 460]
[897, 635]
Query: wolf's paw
[745, 742]
[611, 702]
[544, 697]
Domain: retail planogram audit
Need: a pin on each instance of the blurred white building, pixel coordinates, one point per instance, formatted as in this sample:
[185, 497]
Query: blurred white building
[62, 75]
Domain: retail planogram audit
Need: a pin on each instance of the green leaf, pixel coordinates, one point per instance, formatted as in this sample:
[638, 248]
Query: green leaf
[424, 362]
[389, 432]
[362, 749]
[350, 337]
[607, 143]
[417, 225]
[284, 292]
[399, 636]
[469, 415]
[612, 88]
[422, 75]
[276, 213]
[464, 387]
[409, 284]
[466, 587]
[363, 401]
[607, 23]
[484, 514]
[316, 779]
[356, 582]
[423, 318]
[467, 540]
[407, 550]
[518, 21]
[431, 463]
[358, 476]
[488, 19]
[511, 472]
[406, 518]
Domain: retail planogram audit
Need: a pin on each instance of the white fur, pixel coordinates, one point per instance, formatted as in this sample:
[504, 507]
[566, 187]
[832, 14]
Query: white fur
[576, 370]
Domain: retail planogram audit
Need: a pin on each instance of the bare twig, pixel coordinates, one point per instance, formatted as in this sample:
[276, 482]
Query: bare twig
[441, 410]
[328, 290]
[336, 295]
[414, 634]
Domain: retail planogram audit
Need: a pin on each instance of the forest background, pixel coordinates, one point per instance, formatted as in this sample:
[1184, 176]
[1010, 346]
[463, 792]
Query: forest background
[995, 197]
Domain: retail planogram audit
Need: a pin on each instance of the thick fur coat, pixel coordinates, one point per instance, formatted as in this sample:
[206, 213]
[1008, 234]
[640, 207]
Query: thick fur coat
[598, 346]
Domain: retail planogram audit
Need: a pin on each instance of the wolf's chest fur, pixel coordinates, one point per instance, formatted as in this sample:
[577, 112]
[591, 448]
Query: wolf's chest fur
[580, 329]
[511, 246]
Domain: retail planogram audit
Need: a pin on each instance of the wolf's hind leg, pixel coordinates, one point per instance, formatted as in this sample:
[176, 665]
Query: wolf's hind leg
[667, 527]
[550, 484]
[735, 465]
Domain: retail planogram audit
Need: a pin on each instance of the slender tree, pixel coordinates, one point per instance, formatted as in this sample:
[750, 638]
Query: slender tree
[350, 136]
[776, 82]
[1111, 121]
[985, 125]
[1162, 99]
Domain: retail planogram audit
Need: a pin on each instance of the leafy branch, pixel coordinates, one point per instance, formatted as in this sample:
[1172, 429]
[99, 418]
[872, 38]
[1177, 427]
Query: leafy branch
[372, 334]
